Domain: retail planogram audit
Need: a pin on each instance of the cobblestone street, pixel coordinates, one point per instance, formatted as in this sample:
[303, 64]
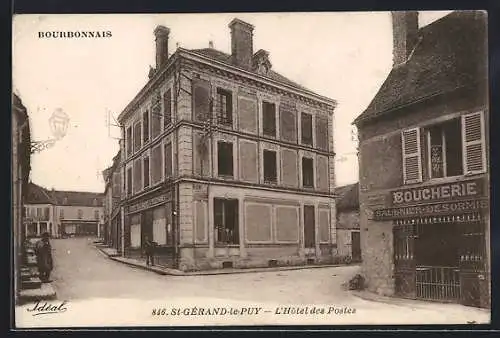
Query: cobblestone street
[100, 291]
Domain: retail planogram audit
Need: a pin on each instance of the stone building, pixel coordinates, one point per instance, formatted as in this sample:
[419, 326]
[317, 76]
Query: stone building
[62, 212]
[112, 198]
[21, 167]
[424, 178]
[226, 162]
[348, 237]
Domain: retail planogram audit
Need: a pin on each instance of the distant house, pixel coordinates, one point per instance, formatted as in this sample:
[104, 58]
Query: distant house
[348, 237]
[62, 212]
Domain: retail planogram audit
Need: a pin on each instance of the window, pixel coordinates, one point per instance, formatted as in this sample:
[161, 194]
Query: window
[80, 213]
[96, 214]
[25, 212]
[224, 107]
[129, 181]
[129, 140]
[226, 221]
[444, 151]
[65, 200]
[61, 213]
[94, 202]
[156, 165]
[225, 158]
[168, 160]
[306, 128]
[270, 173]
[38, 213]
[167, 108]
[269, 119]
[137, 167]
[156, 115]
[307, 172]
[453, 148]
[145, 172]
[137, 136]
[46, 214]
[145, 126]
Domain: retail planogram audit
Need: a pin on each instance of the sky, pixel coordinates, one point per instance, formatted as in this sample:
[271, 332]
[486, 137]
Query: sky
[344, 56]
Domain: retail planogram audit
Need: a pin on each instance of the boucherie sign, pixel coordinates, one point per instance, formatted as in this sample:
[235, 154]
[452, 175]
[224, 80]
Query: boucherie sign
[437, 200]
[439, 193]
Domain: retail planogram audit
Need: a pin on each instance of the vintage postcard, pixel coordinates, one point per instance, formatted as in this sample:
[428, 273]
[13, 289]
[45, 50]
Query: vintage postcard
[250, 169]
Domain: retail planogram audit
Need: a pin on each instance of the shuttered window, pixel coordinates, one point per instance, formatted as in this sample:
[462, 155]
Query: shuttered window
[201, 99]
[145, 172]
[145, 126]
[167, 108]
[128, 142]
[137, 136]
[156, 165]
[412, 160]
[168, 160]
[473, 143]
[306, 128]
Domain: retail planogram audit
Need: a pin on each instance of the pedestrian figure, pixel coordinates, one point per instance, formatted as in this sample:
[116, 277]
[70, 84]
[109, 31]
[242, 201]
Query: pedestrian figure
[43, 251]
[149, 251]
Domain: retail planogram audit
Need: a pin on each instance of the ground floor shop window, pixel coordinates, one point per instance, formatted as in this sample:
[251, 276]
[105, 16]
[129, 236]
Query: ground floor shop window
[226, 221]
[159, 226]
[135, 231]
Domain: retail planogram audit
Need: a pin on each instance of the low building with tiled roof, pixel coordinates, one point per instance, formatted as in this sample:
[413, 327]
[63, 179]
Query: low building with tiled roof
[61, 212]
[423, 165]
[227, 162]
[347, 224]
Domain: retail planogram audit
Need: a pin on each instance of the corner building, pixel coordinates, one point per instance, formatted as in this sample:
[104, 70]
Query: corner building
[424, 178]
[226, 162]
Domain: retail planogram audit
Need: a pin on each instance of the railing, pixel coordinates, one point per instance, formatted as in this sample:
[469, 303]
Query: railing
[438, 283]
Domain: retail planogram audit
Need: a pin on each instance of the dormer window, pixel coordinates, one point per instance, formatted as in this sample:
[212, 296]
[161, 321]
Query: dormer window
[261, 62]
[65, 201]
[95, 202]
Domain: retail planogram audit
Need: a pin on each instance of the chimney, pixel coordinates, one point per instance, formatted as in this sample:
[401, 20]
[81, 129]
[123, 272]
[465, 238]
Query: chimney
[405, 35]
[161, 34]
[210, 44]
[241, 43]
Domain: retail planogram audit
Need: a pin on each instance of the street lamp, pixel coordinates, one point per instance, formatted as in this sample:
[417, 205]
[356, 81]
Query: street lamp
[58, 123]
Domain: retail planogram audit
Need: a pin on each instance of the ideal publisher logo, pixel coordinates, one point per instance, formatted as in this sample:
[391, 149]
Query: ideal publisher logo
[47, 308]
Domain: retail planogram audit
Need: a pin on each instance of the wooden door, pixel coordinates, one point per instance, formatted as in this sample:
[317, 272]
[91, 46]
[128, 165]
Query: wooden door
[309, 227]
[356, 246]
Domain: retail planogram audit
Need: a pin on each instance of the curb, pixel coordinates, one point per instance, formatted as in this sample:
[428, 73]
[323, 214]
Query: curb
[174, 272]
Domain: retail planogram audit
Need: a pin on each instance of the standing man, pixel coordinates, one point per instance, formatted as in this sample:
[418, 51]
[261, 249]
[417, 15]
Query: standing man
[149, 251]
[43, 252]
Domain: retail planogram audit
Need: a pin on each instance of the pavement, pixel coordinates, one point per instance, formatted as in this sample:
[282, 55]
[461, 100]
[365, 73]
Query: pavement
[100, 291]
[141, 264]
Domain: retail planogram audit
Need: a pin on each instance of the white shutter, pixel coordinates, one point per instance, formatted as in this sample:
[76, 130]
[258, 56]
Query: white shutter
[412, 159]
[473, 143]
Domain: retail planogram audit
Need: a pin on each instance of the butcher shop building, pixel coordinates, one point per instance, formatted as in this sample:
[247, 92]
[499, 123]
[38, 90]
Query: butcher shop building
[423, 159]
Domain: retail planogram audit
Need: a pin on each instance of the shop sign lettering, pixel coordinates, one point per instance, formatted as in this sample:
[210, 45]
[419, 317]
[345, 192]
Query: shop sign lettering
[437, 193]
[148, 203]
[447, 208]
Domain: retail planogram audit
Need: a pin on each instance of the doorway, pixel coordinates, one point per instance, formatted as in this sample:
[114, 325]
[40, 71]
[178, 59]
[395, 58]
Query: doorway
[309, 227]
[437, 262]
[356, 246]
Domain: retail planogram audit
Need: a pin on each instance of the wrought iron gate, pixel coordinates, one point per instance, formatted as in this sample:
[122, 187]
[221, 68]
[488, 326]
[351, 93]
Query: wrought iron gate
[440, 283]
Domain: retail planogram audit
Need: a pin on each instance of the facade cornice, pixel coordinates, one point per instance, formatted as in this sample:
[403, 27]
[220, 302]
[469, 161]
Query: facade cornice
[230, 72]
[258, 80]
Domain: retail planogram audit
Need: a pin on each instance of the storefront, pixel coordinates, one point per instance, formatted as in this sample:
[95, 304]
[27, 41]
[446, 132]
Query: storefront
[150, 218]
[79, 228]
[440, 242]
